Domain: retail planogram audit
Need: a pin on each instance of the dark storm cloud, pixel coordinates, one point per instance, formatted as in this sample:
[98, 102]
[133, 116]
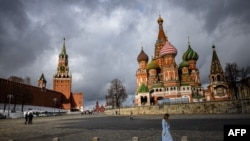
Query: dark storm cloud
[216, 12]
[19, 44]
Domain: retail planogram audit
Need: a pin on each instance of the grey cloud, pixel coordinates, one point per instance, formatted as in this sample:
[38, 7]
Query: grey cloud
[16, 37]
[216, 12]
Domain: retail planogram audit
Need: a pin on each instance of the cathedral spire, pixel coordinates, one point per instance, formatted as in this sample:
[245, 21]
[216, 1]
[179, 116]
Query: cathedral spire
[161, 35]
[215, 64]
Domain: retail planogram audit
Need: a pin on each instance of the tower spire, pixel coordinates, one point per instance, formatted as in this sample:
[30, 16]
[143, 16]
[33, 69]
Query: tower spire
[63, 48]
[161, 34]
[215, 64]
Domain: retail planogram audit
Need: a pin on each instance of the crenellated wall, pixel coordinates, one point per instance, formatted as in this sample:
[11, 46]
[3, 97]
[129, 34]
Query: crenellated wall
[232, 106]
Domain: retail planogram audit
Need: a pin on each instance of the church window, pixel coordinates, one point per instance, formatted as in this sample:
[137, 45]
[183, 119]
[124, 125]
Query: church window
[218, 77]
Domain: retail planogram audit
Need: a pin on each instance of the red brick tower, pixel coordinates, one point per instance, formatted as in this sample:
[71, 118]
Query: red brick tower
[161, 39]
[62, 79]
[141, 73]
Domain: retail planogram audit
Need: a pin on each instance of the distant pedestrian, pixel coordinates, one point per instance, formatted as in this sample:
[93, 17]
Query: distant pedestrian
[131, 115]
[166, 135]
[30, 116]
[26, 118]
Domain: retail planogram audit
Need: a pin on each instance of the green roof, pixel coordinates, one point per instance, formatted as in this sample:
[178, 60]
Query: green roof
[157, 85]
[152, 65]
[143, 88]
[190, 54]
[63, 52]
[184, 64]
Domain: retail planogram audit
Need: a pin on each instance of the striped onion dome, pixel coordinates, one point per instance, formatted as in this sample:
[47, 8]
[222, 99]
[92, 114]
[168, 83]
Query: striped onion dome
[168, 48]
[190, 54]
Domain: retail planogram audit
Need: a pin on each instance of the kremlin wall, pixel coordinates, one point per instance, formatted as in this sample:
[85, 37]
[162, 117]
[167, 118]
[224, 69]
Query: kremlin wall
[60, 97]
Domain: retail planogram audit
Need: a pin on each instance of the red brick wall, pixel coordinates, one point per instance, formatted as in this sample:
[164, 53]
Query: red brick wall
[29, 95]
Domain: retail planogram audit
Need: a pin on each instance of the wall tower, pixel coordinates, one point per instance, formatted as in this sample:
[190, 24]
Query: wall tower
[42, 83]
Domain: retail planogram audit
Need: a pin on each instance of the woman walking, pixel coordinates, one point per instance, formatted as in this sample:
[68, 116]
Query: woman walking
[166, 135]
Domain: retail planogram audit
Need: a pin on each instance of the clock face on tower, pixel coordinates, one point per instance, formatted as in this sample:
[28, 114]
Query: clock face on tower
[62, 68]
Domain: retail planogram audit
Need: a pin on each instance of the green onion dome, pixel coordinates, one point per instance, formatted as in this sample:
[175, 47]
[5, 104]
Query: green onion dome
[152, 65]
[184, 64]
[190, 54]
[142, 56]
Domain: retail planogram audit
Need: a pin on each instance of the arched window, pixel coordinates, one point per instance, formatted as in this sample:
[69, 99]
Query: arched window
[218, 77]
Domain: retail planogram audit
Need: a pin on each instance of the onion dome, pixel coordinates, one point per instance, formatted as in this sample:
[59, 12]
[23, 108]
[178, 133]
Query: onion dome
[152, 65]
[168, 48]
[142, 56]
[184, 64]
[160, 20]
[190, 54]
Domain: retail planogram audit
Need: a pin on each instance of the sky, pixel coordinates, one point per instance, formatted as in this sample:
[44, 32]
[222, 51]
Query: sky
[104, 38]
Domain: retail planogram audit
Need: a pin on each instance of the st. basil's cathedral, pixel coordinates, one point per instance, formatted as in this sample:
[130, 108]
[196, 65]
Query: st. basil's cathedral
[163, 80]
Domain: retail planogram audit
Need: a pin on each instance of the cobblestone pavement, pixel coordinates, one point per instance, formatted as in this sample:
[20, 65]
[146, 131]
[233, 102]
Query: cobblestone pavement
[47, 128]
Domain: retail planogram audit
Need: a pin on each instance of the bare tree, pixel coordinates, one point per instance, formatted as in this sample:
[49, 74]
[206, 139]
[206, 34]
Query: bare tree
[235, 75]
[118, 92]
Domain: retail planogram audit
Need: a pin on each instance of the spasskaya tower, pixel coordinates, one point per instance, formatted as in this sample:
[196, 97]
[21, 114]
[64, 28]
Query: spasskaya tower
[62, 79]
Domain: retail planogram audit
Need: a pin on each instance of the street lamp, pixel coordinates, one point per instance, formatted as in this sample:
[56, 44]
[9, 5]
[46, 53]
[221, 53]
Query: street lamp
[9, 97]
